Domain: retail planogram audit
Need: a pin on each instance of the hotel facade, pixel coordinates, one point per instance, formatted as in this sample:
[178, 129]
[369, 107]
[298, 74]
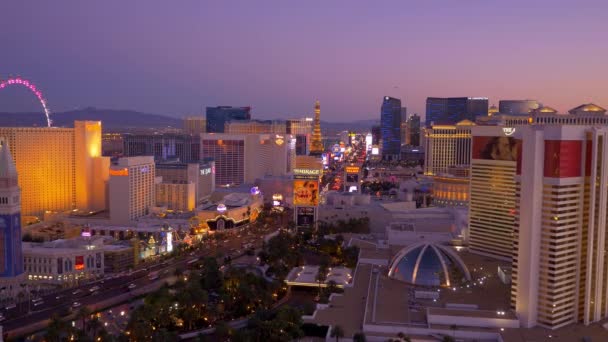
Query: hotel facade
[446, 146]
[59, 169]
[560, 267]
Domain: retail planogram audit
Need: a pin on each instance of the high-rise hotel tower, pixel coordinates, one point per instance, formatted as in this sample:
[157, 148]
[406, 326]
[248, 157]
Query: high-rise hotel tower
[59, 169]
[560, 264]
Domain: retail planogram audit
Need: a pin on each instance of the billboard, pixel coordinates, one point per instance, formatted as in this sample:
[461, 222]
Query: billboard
[352, 178]
[496, 148]
[306, 192]
[305, 216]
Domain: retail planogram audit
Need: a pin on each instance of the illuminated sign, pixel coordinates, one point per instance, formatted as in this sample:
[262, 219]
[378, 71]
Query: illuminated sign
[279, 141]
[305, 192]
[508, 131]
[305, 216]
[375, 151]
[255, 190]
[276, 203]
[79, 264]
[119, 172]
[277, 197]
[352, 188]
[352, 169]
[206, 171]
[307, 172]
[169, 241]
[85, 234]
[221, 208]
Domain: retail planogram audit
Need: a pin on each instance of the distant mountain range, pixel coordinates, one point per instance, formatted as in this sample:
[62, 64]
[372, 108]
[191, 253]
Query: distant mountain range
[113, 120]
[125, 120]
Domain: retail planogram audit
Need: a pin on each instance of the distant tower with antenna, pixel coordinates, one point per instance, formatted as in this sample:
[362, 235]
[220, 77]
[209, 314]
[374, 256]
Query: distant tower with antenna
[316, 145]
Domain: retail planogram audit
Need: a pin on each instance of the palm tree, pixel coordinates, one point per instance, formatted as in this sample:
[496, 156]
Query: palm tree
[95, 327]
[454, 328]
[337, 332]
[83, 314]
[321, 276]
[403, 338]
[56, 329]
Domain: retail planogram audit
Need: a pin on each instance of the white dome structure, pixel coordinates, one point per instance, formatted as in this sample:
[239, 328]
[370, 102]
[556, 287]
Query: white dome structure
[428, 264]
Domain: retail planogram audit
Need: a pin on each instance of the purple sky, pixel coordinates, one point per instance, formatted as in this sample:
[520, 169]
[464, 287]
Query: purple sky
[176, 57]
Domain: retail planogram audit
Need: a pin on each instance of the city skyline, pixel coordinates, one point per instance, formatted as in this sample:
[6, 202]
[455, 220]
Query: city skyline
[196, 57]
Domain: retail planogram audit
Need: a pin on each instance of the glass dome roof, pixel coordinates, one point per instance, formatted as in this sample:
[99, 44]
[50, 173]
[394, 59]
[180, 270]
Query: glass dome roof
[428, 264]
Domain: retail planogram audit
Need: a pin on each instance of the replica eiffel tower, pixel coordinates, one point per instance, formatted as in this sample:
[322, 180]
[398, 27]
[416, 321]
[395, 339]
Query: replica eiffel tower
[316, 145]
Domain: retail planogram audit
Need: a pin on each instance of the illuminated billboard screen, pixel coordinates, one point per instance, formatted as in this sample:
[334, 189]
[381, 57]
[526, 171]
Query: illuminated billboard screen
[496, 148]
[306, 192]
[305, 216]
[79, 264]
[375, 151]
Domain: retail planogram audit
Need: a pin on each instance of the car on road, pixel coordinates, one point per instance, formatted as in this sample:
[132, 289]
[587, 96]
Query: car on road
[76, 304]
[58, 297]
[35, 300]
[1, 318]
[77, 292]
[40, 302]
[11, 306]
[94, 288]
[132, 286]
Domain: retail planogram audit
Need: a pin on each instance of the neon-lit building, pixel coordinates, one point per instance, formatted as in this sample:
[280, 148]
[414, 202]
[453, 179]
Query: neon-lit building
[560, 263]
[446, 146]
[131, 189]
[59, 169]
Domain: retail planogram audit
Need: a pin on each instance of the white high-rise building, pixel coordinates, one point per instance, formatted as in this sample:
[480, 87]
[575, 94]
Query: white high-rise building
[560, 264]
[131, 193]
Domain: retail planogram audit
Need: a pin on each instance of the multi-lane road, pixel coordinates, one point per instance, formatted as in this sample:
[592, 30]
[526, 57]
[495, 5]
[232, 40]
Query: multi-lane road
[63, 302]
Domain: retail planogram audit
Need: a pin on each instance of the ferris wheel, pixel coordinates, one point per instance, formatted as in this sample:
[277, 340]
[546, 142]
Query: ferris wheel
[18, 81]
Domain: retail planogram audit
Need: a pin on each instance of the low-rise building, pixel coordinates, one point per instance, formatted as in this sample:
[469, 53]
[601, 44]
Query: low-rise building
[226, 211]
